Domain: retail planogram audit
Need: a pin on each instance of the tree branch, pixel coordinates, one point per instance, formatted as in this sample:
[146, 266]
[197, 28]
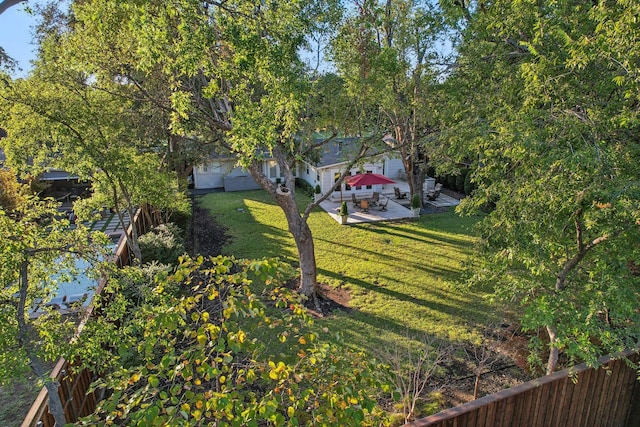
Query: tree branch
[582, 251]
[6, 4]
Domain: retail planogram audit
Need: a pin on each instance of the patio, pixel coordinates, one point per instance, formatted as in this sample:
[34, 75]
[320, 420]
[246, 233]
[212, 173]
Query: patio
[397, 209]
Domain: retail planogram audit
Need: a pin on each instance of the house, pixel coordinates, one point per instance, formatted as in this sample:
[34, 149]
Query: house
[325, 169]
[336, 155]
[223, 172]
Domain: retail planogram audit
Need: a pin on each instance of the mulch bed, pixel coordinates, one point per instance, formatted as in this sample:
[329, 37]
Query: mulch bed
[205, 236]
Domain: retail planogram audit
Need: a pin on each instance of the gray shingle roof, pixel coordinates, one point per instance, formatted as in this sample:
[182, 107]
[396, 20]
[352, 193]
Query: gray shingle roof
[340, 150]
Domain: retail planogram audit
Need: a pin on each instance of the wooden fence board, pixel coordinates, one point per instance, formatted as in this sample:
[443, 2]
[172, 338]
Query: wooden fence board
[518, 408]
[527, 411]
[575, 397]
[471, 419]
[545, 391]
[630, 397]
[616, 386]
[594, 400]
[482, 416]
[605, 399]
[537, 412]
[564, 397]
[552, 403]
[582, 404]
[632, 417]
[611, 411]
[491, 415]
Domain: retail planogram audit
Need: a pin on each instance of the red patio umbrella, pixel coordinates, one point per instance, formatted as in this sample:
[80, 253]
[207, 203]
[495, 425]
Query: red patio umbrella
[367, 179]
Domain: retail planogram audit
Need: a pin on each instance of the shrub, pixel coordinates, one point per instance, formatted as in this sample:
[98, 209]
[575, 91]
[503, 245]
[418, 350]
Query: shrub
[451, 182]
[415, 202]
[163, 244]
[304, 186]
[344, 209]
[468, 186]
[136, 283]
[460, 179]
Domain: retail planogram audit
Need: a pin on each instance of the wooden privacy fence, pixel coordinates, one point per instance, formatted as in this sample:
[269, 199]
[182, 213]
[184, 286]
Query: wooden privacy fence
[608, 396]
[73, 386]
[73, 394]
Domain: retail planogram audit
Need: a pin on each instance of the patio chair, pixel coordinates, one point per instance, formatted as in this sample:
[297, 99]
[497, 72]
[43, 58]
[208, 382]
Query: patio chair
[383, 206]
[399, 194]
[435, 193]
[355, 201]
[375, 198]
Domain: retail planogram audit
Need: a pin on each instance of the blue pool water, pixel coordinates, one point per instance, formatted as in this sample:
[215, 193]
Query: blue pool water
[77, 292]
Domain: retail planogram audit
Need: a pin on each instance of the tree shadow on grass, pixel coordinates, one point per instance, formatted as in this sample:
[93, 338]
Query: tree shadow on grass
[479, 309]
[422, 234]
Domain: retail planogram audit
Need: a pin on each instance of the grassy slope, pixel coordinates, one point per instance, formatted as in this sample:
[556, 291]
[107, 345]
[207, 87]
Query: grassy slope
[402, 275]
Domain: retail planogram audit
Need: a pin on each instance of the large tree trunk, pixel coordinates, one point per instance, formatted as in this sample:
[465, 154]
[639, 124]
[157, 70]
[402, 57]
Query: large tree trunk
[416, 181]
[297, 225]
[306, 253]
[301, 232]
[414, 159]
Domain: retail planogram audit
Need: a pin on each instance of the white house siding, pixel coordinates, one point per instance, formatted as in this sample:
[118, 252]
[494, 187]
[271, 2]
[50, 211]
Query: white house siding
[394, 169]
[309, 173]
[222, 173]
[211, 175]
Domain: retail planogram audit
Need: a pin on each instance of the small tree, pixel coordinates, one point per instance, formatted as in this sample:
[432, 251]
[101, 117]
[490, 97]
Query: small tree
[411, 368]
[37, 250]
[483, 354]
[344, 209]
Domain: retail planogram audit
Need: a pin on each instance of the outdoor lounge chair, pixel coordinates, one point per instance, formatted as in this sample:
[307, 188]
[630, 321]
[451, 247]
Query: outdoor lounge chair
[383, 206]
[399, 194]
[355, 201]
[435, 193]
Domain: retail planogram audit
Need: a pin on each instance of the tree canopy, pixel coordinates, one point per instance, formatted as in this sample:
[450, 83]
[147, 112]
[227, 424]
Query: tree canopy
[389, 53]
[58, 118]
[543, 103]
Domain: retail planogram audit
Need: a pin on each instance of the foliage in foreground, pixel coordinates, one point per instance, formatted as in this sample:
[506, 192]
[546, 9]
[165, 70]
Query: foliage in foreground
[553, 140]
[205, 358]
[39, 251]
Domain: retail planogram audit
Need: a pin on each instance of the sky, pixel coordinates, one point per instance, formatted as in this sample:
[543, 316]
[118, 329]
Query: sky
[15, 36]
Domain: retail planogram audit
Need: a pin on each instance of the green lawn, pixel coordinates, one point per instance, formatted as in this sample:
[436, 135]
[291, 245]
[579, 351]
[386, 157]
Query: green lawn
[404, 277]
